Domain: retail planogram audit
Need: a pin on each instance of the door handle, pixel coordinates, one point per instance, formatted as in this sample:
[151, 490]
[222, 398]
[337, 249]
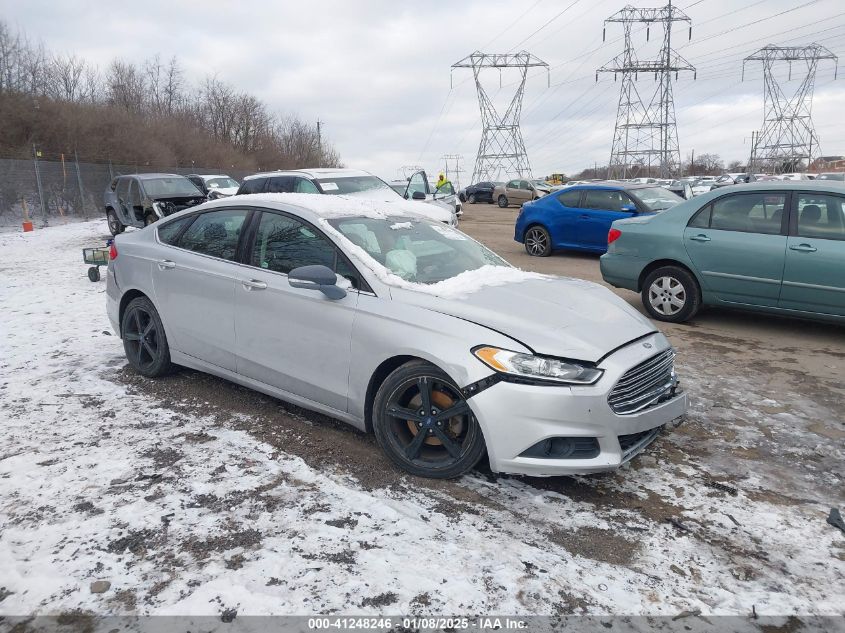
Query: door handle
[803, 248]
[166, 264]
[253, 284]
[699, 238]
[583, 217]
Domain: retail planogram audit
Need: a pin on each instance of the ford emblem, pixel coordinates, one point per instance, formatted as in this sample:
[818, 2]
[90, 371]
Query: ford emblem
[647, 345]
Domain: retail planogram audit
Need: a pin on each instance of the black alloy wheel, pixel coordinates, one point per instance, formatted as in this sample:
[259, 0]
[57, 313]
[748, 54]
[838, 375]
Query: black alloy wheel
[144, 340]
[537, 242]
[424, 424]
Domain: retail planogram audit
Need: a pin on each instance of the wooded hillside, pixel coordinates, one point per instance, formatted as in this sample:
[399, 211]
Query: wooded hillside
[147, 114]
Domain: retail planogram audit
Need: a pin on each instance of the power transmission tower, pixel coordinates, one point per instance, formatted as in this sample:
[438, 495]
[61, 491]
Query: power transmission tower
[448, 159]
[787, 138]
[645, 138]
[502, 146]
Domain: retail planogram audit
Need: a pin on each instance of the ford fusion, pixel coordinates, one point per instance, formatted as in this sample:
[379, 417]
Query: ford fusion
[400, 326]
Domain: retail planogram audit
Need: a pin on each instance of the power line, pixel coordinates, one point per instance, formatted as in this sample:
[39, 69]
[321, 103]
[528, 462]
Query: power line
[547, 23]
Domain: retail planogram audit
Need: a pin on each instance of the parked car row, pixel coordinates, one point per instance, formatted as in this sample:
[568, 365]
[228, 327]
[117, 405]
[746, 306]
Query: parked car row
[765, 246]
[141, 199]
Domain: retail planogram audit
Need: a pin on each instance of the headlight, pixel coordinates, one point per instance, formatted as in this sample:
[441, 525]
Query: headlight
[538, 368]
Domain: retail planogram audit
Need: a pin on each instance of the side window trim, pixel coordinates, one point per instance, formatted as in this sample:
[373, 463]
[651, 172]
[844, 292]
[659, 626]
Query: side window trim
[248, 244]
[706, 209]
[178, 235]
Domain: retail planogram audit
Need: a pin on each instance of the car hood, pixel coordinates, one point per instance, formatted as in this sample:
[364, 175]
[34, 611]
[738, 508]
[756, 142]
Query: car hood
[567, 318]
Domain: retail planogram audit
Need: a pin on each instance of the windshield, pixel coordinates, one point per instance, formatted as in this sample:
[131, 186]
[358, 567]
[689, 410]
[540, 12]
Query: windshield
[221, 183]
[419, 251]
[170, 187]
[351, 184]
[656, 198]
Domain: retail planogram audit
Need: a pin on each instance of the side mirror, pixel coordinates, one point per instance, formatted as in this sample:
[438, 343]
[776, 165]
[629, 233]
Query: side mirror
[316, 277]
[418, 195]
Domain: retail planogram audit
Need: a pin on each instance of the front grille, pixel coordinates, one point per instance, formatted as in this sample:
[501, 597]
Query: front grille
[645, 385]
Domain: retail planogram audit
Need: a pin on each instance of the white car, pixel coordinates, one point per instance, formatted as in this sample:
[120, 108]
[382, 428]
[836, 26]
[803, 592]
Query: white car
[351, 182]
[703, 185]
[419, 187]
[215, 185]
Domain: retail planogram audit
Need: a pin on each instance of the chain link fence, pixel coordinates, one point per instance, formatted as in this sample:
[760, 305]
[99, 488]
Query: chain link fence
[42, 190]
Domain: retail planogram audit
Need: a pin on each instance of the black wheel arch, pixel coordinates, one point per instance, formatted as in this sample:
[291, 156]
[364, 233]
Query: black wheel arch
[532, 225]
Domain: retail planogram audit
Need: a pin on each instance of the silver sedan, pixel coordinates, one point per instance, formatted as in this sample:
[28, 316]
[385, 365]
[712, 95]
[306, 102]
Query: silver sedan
[400, 326]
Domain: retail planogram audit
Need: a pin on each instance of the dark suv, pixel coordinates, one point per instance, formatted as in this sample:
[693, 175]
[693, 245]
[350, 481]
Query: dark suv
[142, 199]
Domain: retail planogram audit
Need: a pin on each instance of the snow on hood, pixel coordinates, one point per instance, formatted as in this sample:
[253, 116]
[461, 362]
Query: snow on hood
[556, 316]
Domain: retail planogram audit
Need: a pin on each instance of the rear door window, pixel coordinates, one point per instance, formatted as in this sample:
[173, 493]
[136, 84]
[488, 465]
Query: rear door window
[760, 212]
[280, 184]
[123, 189]
[570, 198]
[169, 232]
[215, 233]
[821, 216]
[252, 185]
[303, 185]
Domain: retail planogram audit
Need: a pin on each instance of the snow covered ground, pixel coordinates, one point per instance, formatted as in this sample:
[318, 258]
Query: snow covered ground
[192, 496]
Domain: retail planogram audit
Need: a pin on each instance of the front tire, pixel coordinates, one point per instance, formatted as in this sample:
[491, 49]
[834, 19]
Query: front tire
[503, 202]
[144, 340]
[538, 243]
[423, 423]
[472, 198]
[115, 225]
[672, 294]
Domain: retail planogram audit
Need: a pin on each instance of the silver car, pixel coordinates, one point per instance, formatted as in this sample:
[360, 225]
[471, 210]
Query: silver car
[400, 326]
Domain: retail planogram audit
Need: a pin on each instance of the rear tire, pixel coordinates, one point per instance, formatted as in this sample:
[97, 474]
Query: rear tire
[144, 340]
[672, 294]
[426, 444]
[150, 218]
[115, 226]
[472, 198]
[538, 243]
[503, 202]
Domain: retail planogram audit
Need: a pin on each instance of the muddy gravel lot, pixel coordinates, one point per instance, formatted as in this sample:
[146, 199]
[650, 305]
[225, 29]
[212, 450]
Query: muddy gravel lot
[189, 494]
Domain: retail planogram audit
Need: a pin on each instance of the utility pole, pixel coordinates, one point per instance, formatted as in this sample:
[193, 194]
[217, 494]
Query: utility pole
[646, 133]
[501, 143]
[787, 137]
[319, 143]
[457, 158]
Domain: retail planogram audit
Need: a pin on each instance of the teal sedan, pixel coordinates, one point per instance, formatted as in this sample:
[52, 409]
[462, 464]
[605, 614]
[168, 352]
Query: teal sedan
[771, 247]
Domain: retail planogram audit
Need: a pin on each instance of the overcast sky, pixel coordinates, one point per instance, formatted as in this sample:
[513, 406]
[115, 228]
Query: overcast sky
[378, 73]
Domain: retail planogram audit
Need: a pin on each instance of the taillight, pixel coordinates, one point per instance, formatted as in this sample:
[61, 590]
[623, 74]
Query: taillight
[613, 235]
[112, 251]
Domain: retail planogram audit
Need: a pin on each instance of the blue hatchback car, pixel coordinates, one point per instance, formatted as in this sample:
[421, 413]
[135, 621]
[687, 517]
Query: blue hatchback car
[579, 217]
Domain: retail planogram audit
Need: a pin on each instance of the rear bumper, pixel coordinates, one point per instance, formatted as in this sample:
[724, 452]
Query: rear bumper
[621, 271]
[515, 417]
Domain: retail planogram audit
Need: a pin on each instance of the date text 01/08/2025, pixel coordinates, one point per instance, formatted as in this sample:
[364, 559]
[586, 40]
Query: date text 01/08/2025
[417, 623]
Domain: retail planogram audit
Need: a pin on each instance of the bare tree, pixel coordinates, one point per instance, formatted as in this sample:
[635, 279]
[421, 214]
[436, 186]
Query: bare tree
[65, 77]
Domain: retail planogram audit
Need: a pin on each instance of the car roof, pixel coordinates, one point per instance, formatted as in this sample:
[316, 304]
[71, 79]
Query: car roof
[212, 175]
[613, 184]
[316, 173]
[314, 207]
[152, 176]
